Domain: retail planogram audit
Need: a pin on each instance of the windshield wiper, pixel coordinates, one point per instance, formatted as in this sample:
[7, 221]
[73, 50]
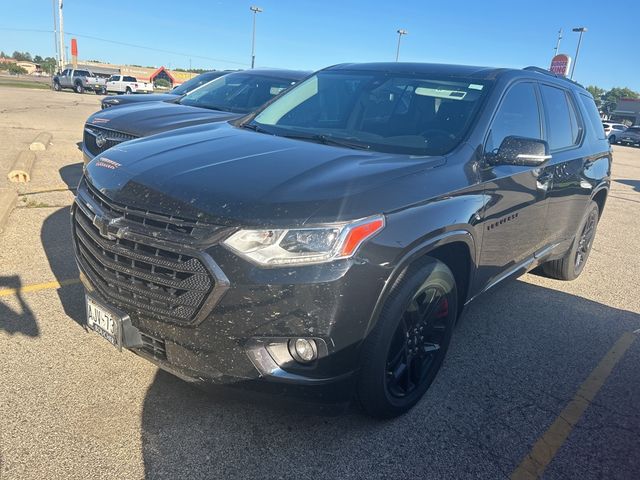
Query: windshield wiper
[255, 127]
[327, 140]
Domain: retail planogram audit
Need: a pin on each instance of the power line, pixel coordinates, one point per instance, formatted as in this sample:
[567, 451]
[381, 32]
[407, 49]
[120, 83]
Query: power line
[125, 44]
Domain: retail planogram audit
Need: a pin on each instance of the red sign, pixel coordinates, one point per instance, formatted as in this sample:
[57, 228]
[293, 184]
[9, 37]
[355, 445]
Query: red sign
[560, 64]
[74, 47]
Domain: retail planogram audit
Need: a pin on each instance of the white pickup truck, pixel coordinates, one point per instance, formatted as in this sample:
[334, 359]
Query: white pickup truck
[126, 84]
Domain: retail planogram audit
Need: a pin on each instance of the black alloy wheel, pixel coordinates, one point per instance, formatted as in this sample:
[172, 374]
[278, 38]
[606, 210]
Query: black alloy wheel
[405, 350]
[585, 241]
[417, 342]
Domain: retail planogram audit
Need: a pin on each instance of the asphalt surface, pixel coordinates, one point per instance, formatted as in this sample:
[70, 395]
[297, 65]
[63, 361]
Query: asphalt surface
[71, 406]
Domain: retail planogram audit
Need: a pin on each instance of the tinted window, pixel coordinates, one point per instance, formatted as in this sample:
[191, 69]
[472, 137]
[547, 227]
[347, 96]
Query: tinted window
[195, 82]
[593, 116]
[236, 92]
[82, 73]
[65, 71]
[130, 79]
[562, 130]
[398, 113]
[518, 115]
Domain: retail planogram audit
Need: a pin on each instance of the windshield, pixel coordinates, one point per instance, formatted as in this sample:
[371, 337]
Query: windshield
[236, 92]
[396, 113]
[195, 82]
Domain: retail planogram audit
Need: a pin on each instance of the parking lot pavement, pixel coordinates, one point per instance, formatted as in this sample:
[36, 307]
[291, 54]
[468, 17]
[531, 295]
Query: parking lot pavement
[518, 381]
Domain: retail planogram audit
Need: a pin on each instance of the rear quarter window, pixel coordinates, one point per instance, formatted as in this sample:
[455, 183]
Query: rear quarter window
[593, 117]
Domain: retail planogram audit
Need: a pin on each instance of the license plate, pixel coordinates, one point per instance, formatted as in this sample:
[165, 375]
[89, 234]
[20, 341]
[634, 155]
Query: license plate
[103, 321]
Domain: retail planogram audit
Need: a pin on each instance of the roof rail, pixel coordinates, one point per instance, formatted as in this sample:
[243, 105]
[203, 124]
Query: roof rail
[544, 71]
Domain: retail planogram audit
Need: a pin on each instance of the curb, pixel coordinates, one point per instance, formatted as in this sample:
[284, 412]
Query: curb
[21, 170]
[41, 142]
[8, 200]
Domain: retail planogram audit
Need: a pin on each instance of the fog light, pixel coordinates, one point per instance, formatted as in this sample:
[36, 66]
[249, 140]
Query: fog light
[305, 350]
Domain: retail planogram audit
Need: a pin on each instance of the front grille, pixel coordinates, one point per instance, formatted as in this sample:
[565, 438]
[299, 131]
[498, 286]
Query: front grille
[142, 277]
[155, 222]
[98, 139]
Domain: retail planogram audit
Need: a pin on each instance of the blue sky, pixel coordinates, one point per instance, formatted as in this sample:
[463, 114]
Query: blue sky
[309, 34]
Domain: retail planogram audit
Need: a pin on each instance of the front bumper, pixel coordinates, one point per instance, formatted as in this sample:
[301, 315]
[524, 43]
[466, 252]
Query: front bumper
[243, 338]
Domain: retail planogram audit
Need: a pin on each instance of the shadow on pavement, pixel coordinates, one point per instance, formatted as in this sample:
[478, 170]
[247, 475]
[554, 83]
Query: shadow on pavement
[12, 321]
[632, 183]
[516, 360]
[58, 246]
[71, 174]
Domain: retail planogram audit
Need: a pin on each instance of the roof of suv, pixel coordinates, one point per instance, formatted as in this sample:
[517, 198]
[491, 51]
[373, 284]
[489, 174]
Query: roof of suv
[469, 71]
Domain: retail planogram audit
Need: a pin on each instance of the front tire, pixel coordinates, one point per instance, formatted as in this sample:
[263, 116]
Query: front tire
[56, 86]
[128, 91]
[403, 353]
[79, 88]
[571, 265]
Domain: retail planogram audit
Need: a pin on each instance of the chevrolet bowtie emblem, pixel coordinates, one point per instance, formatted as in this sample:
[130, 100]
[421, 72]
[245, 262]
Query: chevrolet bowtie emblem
[103, 225]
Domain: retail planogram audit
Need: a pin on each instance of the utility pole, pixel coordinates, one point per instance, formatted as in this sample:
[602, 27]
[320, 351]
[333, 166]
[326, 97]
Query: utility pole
[255, 11]
[55, 34]
[61, 34]
[557, 49]
[581, 30]
[401, 32]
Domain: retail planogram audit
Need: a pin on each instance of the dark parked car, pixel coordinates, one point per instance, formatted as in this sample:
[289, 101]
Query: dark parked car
[631, 136]
[329, 243]
[227, 97]
[174, 94]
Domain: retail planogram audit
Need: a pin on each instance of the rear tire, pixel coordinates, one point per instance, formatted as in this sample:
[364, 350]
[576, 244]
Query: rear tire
[56, 86]
[403, 353]
[79, 88]
[570, 266]
[128, 91]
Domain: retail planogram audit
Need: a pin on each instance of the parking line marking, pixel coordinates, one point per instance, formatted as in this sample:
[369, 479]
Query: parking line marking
[543, 451]
[39, 286]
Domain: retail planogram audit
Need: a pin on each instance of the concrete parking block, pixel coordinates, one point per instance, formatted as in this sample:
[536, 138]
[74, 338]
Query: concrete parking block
[8, 199]
[21, 170]
[41, 142]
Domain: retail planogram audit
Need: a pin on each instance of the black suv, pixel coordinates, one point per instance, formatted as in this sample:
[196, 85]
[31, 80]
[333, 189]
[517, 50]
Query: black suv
[227, 97]
[329, 242]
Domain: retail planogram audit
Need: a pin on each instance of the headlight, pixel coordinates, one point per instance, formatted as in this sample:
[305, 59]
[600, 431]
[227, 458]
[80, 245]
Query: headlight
[303, 246]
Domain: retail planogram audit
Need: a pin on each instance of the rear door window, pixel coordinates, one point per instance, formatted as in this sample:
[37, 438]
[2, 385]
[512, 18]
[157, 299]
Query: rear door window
[563, 127]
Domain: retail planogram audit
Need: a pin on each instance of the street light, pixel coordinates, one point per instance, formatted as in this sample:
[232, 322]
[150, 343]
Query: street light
[255, 11]
[575, 60]
[401, 32]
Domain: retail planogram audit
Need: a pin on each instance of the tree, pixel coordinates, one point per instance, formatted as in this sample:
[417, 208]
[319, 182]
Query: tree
[613, 96]
[37, 59]
[22, 56]
[2, 54]
[16, 70]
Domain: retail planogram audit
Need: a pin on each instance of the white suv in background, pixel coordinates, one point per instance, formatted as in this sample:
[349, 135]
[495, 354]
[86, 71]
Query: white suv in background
[613, 130]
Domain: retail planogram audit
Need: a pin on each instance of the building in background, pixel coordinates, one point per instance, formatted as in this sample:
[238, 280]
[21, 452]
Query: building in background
[627, 110]
[144, 74]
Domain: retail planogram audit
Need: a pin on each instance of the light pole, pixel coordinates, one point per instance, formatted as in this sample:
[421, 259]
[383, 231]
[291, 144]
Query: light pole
[557, 49]
[401, 32]
[575, 60]
[255, 11]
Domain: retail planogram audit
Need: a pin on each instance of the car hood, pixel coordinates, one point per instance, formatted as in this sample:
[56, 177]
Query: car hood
[228, 175]
[148, 118]
[129, 99]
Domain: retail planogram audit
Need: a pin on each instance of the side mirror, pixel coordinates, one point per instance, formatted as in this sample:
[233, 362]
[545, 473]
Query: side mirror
[521, 151]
